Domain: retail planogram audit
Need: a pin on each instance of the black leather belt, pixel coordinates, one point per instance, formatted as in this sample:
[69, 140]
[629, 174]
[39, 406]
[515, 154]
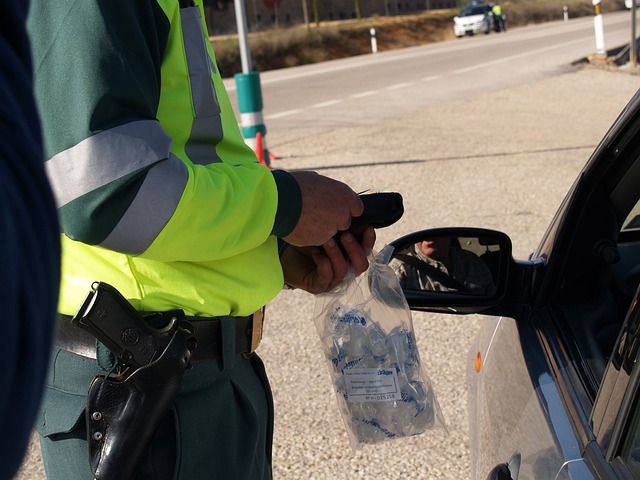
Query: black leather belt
[206, 330]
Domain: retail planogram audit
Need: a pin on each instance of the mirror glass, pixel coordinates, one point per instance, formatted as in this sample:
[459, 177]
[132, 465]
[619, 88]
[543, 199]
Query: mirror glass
[448, 263]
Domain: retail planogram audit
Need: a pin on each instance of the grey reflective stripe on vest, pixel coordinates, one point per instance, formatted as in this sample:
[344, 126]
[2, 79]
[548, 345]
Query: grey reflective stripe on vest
[206, 131]
[105, 157]
[160, 193]
[110, 155]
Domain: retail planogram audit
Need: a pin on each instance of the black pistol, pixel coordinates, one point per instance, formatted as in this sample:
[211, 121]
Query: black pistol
[108, 316]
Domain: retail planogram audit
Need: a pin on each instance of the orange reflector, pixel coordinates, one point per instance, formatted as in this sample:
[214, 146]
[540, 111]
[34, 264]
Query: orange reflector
[478, 364]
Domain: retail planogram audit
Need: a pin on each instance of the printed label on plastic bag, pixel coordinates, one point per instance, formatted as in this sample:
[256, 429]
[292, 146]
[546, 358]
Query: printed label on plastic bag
[372, 385]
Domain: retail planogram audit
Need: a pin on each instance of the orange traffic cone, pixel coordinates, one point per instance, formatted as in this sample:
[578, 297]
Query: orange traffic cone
[260, 150]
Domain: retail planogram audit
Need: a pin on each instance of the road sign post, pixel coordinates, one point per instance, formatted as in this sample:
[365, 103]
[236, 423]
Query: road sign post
[599, 28]
[633, 51]
[374, 42]
[248, 88]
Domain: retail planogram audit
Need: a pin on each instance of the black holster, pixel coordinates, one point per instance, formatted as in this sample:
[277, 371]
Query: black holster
[122, 413]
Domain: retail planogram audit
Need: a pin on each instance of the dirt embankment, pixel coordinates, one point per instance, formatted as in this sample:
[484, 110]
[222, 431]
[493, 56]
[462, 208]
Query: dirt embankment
[298, 46]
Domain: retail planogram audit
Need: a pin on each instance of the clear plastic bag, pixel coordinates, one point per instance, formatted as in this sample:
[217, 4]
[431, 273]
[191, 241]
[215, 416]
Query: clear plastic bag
[367, 336]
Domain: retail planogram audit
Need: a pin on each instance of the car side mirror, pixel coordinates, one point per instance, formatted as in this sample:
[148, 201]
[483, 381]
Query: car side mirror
[457, 270]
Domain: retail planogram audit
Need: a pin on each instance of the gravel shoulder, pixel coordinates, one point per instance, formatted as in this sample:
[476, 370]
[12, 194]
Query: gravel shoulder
[502, 160]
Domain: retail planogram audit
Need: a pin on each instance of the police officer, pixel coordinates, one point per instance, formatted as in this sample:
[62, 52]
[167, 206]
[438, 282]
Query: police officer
[160, 197]
[498, 18]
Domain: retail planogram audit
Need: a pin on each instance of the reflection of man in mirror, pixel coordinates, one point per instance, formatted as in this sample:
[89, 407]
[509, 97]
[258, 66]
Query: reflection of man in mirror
[440, 264]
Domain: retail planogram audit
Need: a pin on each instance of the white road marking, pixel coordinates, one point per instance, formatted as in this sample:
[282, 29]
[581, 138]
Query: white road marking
[283, 114]
[398, 86]
[326, 104]
[364, 94]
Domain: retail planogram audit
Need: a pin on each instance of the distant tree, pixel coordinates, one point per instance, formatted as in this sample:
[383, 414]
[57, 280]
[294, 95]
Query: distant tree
[358, 10]
[316, 13]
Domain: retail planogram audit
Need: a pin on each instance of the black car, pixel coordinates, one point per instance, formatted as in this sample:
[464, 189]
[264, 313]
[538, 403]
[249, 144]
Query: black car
[555, 377]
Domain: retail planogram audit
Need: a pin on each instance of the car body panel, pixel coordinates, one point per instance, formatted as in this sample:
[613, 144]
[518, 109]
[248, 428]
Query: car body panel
[521, 420]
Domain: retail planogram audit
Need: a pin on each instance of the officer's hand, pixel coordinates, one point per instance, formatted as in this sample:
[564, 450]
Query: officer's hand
[320, 269]
[327, 207]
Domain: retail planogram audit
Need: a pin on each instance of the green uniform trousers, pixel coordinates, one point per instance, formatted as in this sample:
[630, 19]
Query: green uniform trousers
[220, 427]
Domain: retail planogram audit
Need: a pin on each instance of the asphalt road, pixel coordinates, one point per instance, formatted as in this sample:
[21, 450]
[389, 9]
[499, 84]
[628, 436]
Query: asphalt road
[501, 159]
[363, 90]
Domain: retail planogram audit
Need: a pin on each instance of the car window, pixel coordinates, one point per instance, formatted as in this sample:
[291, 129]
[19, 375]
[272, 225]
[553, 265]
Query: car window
[476, 10]
[632, 222]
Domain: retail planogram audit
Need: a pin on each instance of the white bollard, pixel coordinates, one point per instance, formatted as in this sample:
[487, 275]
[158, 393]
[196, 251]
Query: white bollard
[374, 42]
[565, 13]
[599, 28]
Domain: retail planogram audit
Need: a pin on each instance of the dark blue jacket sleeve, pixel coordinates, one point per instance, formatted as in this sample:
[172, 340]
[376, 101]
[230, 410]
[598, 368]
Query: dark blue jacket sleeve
[29, 244]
